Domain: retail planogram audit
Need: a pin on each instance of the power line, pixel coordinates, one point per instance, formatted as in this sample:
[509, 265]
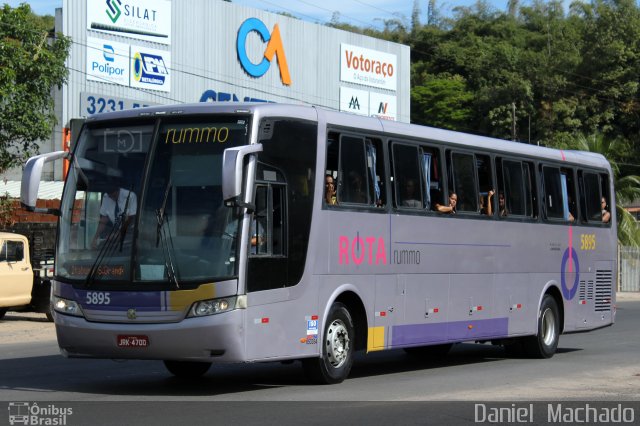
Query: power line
[588, 90]
[394, 14]
[293, 12]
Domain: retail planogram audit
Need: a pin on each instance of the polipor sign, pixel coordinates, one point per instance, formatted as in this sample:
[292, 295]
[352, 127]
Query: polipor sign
[368, 67]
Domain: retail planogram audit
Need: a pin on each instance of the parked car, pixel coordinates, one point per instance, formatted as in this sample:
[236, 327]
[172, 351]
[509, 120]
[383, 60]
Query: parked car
[24, 279]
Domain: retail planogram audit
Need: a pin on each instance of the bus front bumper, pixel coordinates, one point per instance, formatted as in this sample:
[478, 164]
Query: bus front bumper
[214, 338]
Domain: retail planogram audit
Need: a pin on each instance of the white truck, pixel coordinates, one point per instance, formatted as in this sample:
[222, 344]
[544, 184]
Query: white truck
[24, 280]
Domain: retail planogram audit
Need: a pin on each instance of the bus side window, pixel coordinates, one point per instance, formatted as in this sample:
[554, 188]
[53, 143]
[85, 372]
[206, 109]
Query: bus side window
[606, 198]
[462, 176]
[553, 199]
[258, 233]
[594, 197]
[485, 184]
[267, 234]
[568, 186]
[433, 177]
[530, 199]
[590, 196]
[516, 188]
[359, 163]
[375, 168]
[559, 193]
[407, 176]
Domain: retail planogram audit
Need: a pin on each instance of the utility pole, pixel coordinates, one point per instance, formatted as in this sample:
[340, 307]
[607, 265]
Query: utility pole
[513, 121]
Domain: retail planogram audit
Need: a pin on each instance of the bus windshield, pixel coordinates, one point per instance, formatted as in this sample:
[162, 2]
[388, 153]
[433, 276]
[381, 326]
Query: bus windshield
[143, 203]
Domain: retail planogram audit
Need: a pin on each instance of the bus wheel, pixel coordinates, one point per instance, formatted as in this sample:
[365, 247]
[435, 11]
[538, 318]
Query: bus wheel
[432, 352]
[337, 349]
[544, 345]
[187, 369]
[2, 312]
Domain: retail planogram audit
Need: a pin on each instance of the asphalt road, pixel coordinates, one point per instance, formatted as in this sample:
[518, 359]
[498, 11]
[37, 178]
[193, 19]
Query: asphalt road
[602, 365]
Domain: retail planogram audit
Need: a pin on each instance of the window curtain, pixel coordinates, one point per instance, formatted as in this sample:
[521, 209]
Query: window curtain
[426, 167]
[371, 157]
[565, 197]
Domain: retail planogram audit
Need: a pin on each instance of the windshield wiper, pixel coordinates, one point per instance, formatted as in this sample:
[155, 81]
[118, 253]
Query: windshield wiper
[167, 248]
[124, 219]
[160, 213]
[109, 246]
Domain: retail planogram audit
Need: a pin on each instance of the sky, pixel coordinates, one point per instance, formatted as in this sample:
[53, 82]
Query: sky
[361, 13]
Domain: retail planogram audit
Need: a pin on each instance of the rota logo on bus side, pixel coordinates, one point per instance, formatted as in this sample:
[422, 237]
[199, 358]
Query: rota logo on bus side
[370, 250]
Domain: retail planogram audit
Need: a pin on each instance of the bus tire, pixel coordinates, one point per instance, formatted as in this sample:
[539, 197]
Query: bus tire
[545, 343]
[2, 312]
[432, 352]
[338, 345]
[187, 369]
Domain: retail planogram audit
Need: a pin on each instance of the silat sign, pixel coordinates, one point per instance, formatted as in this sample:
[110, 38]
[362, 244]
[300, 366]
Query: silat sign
[148, 20]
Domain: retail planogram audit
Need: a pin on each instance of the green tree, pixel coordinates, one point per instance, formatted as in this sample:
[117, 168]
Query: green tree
[627, 187]
[32, 63]
[609, 72]
[442, 101]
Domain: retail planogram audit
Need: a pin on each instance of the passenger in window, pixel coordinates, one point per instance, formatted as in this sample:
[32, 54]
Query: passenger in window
[487, 208]
[451, 208]
[571, 217]
[357, 192]
[502, 205]
[258, 234]
[606, 216]
[330, 190]
[409, 197]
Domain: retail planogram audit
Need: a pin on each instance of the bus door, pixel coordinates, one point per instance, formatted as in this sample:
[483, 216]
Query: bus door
[267, 266]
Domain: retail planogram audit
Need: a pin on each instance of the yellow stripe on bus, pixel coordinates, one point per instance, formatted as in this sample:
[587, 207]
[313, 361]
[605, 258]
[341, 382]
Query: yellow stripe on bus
[375, 339]
[181, 299]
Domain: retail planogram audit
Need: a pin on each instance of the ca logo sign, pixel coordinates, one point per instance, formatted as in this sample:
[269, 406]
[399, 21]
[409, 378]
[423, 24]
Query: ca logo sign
[274, 47]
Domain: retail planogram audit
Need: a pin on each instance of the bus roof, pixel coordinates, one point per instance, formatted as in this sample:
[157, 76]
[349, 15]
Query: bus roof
[372, 124]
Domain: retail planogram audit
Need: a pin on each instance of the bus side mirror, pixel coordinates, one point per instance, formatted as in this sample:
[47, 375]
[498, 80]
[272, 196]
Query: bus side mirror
[232, 172]
[31, 181]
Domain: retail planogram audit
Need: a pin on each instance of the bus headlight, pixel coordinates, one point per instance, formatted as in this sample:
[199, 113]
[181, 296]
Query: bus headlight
[212, 307]
[67, 307]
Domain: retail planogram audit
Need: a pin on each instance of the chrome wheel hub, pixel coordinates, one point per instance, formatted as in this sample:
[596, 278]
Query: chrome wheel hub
[337, 343]
[548, 327]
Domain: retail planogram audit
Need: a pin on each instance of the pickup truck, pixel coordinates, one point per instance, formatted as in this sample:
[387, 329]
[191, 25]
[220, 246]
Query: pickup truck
[24, 281]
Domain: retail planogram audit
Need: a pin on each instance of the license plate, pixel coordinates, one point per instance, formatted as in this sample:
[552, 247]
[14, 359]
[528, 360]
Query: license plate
[138, 341]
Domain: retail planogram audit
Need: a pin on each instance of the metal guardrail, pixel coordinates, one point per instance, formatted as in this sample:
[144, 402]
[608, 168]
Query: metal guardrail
[629, 268]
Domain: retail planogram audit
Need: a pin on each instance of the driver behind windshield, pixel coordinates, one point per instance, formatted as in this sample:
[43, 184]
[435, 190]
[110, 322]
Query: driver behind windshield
[117, 210]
